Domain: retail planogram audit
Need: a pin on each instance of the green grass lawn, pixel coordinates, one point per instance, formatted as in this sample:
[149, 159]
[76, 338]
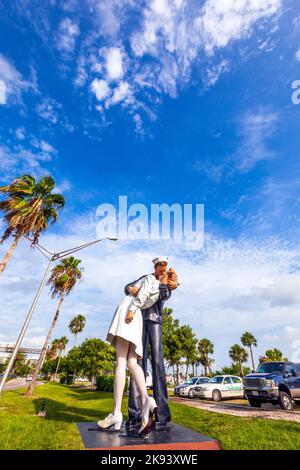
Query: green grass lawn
[20, 428]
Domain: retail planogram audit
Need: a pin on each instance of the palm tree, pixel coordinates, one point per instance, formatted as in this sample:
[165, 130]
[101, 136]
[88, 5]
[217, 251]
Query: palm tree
[62, 343]
[249, 340]
[196, 364]
[77, 325]
[62, 280]
[20, 359]
[52, 350]
[238, 355]
[28, 208]
[210, 362]
[205, 347]
[273, 355]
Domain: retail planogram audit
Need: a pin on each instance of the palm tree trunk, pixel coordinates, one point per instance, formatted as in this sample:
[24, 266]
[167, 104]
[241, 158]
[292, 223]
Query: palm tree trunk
[57, 367]
[241, 367]
[75, 339]
[44, 350]
[9, 253]
[253, 366]
[177, 373]
[186, 371]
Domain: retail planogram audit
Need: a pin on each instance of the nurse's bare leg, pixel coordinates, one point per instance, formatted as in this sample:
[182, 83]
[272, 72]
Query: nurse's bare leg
[122, 349]
[138, 374]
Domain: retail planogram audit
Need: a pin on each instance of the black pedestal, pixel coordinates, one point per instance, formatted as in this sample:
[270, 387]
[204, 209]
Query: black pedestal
[175, 437]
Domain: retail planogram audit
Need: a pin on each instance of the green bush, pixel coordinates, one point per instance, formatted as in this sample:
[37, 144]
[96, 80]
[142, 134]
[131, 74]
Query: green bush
[105, 383]
[66, 379]
[69, 379]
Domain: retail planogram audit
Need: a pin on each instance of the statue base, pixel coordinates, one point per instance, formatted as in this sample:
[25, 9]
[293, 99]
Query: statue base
[173, 437]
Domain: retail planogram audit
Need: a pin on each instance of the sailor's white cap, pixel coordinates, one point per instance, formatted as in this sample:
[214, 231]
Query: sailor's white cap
[160, 259]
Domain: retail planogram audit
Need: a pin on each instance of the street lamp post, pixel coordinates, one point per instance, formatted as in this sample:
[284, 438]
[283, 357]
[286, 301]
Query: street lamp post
[24, 328]
[54, 257]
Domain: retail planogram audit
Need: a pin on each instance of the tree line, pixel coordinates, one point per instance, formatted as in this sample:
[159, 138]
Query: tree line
[182, 349]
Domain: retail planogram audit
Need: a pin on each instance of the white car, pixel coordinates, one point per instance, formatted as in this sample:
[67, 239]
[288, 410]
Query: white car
[221, 386]
[187, 389]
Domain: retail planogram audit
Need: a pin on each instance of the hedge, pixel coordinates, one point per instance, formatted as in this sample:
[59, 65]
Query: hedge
[105, 383]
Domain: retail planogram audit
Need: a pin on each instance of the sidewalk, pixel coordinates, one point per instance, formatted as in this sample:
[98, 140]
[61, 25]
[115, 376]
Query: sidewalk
[241, 410]
[18, 383]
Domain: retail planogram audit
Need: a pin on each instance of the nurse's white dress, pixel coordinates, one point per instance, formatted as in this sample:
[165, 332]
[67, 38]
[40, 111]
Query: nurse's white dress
[133, 332]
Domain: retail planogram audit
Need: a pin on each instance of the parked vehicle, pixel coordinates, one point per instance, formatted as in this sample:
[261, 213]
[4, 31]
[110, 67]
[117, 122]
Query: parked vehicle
[274, 382]
[187, 389]
[220, 387]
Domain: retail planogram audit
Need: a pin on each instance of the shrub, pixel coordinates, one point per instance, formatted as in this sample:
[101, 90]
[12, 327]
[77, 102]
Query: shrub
[66, 379]
[105, 383]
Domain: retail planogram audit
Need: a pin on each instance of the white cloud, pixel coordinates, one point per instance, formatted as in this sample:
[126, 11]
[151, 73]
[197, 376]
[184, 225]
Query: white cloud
[114, 63]
[20, 133]
[100, 88]
[297, 55]
[18, 159]
[120, 93]
[49, 109]
[171, 35]
[229, 20]
[64, 186]
[281, 292]
[214, 72]
[110, 15]
[176, 32]
[171, 38]
[46, 147]
[255, 129]
[52, 111]
[270, 339]
[291, 331]
[138, 123]
[14, 83]
[2, 92]
[154, 45]
[81, 72]
[67, 35]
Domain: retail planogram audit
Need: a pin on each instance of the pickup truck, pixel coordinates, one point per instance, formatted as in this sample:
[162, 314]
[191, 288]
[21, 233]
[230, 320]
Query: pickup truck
[274, 382]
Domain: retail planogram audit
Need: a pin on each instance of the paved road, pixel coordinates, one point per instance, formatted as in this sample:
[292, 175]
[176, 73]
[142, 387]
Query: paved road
[242, 410]
[18, 383]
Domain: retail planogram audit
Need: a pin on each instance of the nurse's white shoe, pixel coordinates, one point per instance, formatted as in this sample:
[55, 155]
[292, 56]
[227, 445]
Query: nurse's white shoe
[149, 410]
[111, 422]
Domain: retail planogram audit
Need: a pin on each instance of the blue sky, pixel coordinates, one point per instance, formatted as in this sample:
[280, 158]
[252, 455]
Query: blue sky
[165, 101]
